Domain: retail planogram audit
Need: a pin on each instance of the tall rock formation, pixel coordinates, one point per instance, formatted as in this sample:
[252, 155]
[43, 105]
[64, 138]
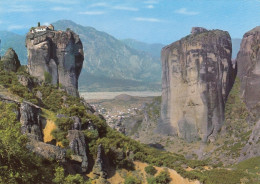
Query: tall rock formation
[56, 57]
[248, 63]
[10, 61]
[196, 80]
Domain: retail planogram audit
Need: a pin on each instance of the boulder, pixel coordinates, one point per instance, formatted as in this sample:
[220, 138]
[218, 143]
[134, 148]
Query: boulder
[47, 151]
[197, 78]
[10, 61]
[25, 81]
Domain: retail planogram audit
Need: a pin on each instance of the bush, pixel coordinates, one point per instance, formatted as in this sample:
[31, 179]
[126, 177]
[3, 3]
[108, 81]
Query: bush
[163, 177]
[151, 180]
[150, 170]
[70, 179]
[132, 180]
[47, 77]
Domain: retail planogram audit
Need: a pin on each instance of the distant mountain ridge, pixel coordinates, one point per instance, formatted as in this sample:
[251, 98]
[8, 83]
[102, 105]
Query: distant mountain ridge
[154, 49]
[108, 62]
[15, 41]
[108, 57]
[235, 47]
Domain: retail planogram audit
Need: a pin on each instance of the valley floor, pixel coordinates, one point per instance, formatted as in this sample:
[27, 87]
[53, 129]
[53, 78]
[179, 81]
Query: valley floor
[93, 96]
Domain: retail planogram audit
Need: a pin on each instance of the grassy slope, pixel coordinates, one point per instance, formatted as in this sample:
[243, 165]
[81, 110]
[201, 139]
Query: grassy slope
[112, 141]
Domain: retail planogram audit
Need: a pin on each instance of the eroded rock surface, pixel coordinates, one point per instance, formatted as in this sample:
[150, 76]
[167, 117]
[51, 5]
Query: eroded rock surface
[196, 80]
[47, 151]
[56, 57]
[99, 167]
[10, 61]
[78, 145]
[248, 62]
[31, 121]
[252, 148]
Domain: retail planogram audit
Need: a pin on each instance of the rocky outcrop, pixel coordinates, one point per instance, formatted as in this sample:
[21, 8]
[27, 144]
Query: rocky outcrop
[99, 167]
[196, 80]
[32, 124]
[56, 57]
[10, 61]
[47, 151]
[248, 62]
[31, 121]
[78, 145]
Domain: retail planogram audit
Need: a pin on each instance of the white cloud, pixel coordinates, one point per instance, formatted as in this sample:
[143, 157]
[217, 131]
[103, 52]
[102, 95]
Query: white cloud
[150, 6]
[59, 8]
[92, 13]
[184, 11]
[147, 19]
[15, 27]
[99, 5]
[126, 8]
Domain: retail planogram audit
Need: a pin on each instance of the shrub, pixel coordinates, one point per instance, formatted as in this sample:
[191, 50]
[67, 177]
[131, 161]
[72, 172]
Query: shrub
[150, 170]
[151, 180]
[47, 77]
[163, 177]
[70, 179]
[132, 180]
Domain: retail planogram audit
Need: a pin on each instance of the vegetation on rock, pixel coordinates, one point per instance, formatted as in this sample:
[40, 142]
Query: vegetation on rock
[17, 164]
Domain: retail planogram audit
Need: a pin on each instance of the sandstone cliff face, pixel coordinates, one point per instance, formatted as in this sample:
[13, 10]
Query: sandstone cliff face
[196, 80]
[248, 62]
[56, 57]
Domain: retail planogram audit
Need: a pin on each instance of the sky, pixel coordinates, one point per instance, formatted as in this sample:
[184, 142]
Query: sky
[151, 21]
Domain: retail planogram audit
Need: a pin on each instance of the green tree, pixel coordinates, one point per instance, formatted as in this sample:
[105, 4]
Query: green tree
[17, 164]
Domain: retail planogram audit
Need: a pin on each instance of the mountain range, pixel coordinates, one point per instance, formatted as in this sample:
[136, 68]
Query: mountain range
[110, 64]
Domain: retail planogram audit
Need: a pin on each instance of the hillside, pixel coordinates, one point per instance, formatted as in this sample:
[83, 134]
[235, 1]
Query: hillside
[153, 49]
